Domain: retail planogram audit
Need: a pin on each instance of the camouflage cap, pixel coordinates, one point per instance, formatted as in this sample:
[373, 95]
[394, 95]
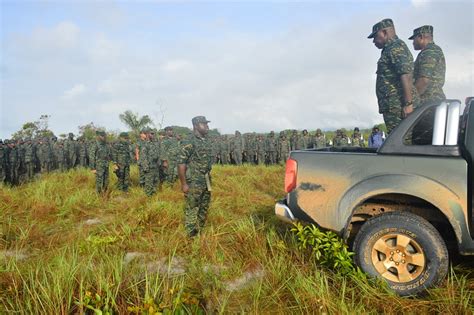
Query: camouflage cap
[144, 130]
[380, 26]
[123, 135]
[200, 119]
[100, 133]
[168, 128]
[425, 29]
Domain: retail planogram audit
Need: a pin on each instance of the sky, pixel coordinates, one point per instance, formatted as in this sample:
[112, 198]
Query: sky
[245, 65]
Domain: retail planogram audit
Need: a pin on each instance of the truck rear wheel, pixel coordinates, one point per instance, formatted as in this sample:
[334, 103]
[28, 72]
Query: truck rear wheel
[403, 249]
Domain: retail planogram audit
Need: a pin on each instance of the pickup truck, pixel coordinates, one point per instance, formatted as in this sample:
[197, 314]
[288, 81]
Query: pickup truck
[403, 208]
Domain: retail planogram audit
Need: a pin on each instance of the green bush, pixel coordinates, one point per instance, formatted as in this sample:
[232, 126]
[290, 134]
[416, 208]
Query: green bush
[326, 247]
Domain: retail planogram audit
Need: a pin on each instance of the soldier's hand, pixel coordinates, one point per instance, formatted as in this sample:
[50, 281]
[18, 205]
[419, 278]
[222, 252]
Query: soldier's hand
[407, 110]
[185, 188]
[94, 171]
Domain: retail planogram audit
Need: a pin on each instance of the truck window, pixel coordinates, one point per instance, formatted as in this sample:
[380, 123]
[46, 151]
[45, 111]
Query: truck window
[422, 131]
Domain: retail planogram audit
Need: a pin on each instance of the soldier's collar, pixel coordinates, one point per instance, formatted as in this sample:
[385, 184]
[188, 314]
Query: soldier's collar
[391, 41]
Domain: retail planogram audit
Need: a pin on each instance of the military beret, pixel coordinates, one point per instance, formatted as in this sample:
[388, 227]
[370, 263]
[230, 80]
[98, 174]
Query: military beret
[380, 26]
[425, 29]
[168, 128]
[200, 119]
[123, 135]
[100, 133]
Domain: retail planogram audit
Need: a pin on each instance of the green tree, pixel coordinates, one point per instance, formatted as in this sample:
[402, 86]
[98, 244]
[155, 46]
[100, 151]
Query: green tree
[38, 128]
[134, 121]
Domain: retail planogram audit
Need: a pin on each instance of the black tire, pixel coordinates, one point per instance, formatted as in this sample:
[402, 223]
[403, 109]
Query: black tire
[403, 249]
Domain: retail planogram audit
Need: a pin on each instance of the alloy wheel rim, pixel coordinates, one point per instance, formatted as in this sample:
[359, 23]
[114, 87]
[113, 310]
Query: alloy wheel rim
[398, 258]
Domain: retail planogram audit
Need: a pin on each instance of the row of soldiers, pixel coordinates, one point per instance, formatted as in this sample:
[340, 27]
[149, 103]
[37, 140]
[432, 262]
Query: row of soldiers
[260, 149]
[155, 154]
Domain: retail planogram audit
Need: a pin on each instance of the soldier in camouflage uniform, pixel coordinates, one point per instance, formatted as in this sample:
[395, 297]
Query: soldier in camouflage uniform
[44, 155]
[429, 76]
[121, 154]
[294, 141]
[306, 142]
[224, 151]
[260, 150]
[194, 170]
[215, 149]
[396, 93]
[30, 158]
[284, 149]
[60, 156]
[251, 148]
[271, 148]
[341, 139]
[82, 152]
[430, 66]
[357, 140]
[319, 140]
[140, 156]
[70, 146]
[13, 162]
[238, 148]
[102, 158]
[2, 162]
[170, 147]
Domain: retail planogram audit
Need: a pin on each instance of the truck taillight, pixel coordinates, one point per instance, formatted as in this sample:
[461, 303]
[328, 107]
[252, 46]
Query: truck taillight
[290, 175]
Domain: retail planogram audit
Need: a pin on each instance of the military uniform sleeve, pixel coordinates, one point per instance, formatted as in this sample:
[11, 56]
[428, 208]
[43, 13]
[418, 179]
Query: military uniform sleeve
[185, 152]
[402, 60]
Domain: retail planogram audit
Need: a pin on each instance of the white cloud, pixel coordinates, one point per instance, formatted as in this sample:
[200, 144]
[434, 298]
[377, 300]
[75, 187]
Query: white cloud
[420, 3]
[75, 91]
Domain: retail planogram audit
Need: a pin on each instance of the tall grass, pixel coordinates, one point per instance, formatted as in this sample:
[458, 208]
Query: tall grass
[245, 261]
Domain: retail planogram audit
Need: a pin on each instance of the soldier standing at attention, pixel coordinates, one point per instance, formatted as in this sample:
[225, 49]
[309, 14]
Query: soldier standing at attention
[430, 66]
[319, 140]
[357, 140]
[2, 162]
[101, 163]
[70, 147]
[140, 156]
[238, 147]
[122, 161]
[170, 147]
[284, 149]
[194, 168]
[429, 75]
[270, 148]
[30, 158]
[396, 93]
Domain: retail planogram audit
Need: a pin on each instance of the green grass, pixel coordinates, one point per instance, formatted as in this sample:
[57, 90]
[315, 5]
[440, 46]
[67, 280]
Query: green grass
[73, 267]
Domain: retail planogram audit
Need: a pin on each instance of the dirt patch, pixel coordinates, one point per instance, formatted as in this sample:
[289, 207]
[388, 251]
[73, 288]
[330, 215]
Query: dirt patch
[245, 280]
[175, 266]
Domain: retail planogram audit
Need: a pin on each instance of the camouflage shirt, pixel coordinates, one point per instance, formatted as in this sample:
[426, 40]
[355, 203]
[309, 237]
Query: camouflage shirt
[122, 153]
[196, 153]
[395, 60]
[430, 63]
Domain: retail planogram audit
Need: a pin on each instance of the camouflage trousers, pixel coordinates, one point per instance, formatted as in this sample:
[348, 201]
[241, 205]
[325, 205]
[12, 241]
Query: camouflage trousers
[151, 177]
[141, 176]
[101, 178]
[271, 157]
[197, 201]
[392, 118]
[283, 157]
[237, 155]
[123, 177]
[260, 158]
[45, 166]
[225, 158]
[30, 170]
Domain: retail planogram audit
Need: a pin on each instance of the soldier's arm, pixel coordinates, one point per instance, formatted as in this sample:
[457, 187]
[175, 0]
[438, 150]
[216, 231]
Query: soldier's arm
[407, 80]
[182, 160]
[427, 68]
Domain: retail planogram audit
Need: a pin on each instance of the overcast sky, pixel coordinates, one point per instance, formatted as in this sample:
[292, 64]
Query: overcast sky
[251, 66]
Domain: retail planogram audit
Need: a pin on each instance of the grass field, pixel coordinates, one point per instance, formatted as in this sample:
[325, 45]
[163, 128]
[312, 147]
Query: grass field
[63, 249]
